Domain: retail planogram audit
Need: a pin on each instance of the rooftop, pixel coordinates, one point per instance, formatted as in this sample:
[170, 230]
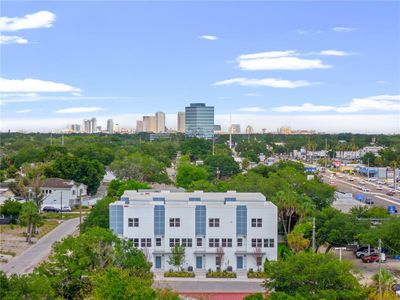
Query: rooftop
[58, 183]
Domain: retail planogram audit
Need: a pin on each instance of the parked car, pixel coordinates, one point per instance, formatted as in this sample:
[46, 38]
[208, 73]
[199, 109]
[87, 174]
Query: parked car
[370, 258]
[396, 289]
[365, 252]
[369, 201]
[391, 193]
[364, 189]
[379, 188]
[50, 209]
[66, 209]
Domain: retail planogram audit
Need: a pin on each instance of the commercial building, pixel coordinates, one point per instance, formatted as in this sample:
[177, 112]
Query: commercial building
[139, 126]
[199, 121]
[249, 129]
[229, 230]
[90, 126]
[110, 126]
[149, 124]
[181, 122]
[160, 122]
[234, 128]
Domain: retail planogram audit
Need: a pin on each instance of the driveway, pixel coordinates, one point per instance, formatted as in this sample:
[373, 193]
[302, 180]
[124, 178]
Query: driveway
[38, 252]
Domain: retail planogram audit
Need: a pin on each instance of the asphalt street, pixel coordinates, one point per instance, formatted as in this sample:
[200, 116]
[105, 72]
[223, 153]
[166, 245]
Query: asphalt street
[29, 259]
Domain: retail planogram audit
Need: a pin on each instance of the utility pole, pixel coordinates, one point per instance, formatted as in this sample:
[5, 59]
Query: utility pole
[313, 235]
[380, 270]
[61, 208]
[80, 211]
[51, 138]
[213, 145]
[326, 151]
[62, 140]
[230, 131]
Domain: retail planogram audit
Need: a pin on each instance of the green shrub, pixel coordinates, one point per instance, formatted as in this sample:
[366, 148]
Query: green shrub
[220, 274]
[257, 274]
[183, 274]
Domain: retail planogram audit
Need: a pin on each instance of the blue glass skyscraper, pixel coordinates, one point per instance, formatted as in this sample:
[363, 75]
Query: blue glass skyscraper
[199, 121]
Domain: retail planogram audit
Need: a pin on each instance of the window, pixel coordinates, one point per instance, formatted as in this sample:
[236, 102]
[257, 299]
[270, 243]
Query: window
[218, 260]
[213, 243]
[130, 222]
[136, 222]
[145, 243]
[239, 242]
[174, 222]
[199, 242]
[256, 243]
[269, 243]
[256, 222]
[173, 242]
[187, 242]
[213, 222]
[226, 242]
[136, 243]
[259, 260]
[158, 242]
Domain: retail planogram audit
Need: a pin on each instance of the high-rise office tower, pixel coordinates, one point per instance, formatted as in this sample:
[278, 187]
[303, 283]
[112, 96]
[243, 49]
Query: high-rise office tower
[249, 129]
[94, 125]
[199, 121]
[160, 122]
[181, 122]
[139, 126]
[234, 128]
[149, 123]
[110, 126]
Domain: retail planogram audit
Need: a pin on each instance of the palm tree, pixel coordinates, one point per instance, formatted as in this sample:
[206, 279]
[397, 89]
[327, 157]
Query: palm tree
[31, 217]
[383, 282]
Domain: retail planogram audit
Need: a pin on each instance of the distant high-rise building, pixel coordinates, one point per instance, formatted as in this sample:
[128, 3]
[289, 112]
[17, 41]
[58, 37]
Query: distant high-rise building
[110, 126]
[249, 129]
[86, 126]
[139, 126]
[160, 121]
[199, 121]
[285, 130]
[94, 125]
[234, 128]
[149, 123]
[73, 128]
[264, 130]
[181, 122]
[217, 128]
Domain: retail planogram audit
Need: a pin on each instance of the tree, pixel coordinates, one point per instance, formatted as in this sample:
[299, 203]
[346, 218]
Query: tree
[297, 242]
[313, 276]
[116, 283]
[369, 158]
[188, 174]
[177, 256]
[30, 216]
[99, 215]
[196, 148]
[117, 187]
[382, 283]
[224, 164]
[11, 208]
[89, 172]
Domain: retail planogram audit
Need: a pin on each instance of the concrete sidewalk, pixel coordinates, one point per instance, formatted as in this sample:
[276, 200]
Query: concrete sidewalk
[34, 255]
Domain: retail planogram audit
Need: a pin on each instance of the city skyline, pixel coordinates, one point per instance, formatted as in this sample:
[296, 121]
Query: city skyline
[333, 67]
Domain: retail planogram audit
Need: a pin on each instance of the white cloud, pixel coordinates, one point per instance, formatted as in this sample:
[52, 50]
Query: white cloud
[75, 110]
[209, 37]
[40, 19]
[251, 109]
[278, 60]
[382, 82]
[373, 103]
[334, 53]
[34, 85]
[252, 95]
[12, 39]
[270, 82]
[23, 111]
[306, 107]
[343, 29]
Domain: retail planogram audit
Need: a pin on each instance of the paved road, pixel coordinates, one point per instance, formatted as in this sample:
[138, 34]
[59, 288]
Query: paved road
[214, 285]
[30, 258]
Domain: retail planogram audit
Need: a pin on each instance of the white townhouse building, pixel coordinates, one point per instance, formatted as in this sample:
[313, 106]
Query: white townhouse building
[57, 190]
[229, 230]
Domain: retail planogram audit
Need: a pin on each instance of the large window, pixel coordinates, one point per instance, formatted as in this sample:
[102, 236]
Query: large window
[145, 243]
[226, 243]
[256, 222]
[269, 243]
[213, 222]
[200, 219]
[174, 222]
[256, 243]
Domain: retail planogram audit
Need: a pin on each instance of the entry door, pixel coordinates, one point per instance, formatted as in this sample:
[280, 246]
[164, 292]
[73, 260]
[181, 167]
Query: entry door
[239, 262]
[158, 262]
[199, 262]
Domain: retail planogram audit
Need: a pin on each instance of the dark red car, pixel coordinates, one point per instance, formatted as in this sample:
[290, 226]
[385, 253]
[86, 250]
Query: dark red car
[391, 193]
[371, 258]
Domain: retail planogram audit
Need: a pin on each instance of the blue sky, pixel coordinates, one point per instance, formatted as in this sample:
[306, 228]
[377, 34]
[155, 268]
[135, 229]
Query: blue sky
[331, 66]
